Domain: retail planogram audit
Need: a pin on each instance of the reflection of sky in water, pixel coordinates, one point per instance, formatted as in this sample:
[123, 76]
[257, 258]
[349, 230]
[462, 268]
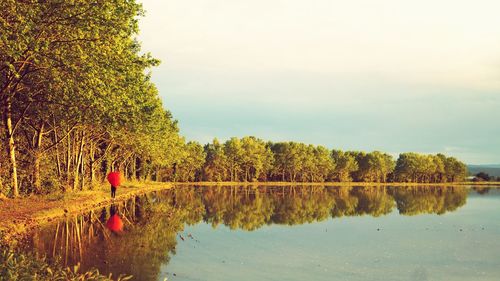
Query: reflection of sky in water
[453, 246]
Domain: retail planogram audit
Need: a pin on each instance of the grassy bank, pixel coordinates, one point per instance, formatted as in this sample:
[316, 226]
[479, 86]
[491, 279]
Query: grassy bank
[17, 216]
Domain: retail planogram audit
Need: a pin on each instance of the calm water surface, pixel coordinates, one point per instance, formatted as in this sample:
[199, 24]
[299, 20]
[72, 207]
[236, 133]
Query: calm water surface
[287, 233]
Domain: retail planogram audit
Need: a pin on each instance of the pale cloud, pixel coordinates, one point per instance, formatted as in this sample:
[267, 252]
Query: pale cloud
[446, 42]
[340, 73]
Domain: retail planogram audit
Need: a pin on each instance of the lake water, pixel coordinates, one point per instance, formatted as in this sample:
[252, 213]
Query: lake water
[287, 233]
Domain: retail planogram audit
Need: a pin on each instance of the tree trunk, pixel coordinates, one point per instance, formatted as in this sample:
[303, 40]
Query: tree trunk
[37, 182]
[133, 172]
[68, 159]
[58, 160]
[82, 167]
[91, 162]
[78, 162]
[232, 173]
[11, 148]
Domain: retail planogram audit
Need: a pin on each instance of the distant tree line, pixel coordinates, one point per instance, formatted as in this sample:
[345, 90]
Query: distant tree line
[250, 159]
[482, 176]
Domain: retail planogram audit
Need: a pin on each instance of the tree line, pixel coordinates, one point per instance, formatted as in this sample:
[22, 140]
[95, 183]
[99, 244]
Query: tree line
[482, 176]
[250, 159]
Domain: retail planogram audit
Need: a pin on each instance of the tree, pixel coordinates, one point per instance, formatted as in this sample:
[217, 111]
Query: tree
[234, 153]
[256, 159]
[413, 167]
[74, 93]
[323, 165]
[190, 165]
[482, 176]
[215, 168]
[281, 160]
[344, 164]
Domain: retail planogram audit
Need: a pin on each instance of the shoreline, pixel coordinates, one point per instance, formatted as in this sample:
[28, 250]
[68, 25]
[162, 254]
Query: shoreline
[19, 216]
[396, 184]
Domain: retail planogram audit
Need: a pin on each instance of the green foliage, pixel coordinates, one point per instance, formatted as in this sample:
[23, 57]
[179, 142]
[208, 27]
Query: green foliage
[215, 168]
[345, 164]
[256, 159]
[372, 167]
[250, 159]
[413, 167]
[191, 163]
[300, 162]
[75, 96]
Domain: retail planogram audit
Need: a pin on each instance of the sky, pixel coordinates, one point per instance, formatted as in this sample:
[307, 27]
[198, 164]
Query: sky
[388, 75]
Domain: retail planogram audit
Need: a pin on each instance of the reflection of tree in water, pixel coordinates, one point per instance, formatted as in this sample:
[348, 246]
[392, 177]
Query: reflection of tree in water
[153, 221]
[251, 207]
[374, 201]
[299, 205]
[147, 243]
[345, 203]
[244, 208]
[429, 200]
[151, 225]
[187, 204]
[481, 189]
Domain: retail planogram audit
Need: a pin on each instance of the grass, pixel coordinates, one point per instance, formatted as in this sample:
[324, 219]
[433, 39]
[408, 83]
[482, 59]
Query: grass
[19, 266]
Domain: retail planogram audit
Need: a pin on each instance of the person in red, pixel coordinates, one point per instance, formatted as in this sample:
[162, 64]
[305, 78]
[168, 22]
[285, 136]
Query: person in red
[114, 178]
[113, 191]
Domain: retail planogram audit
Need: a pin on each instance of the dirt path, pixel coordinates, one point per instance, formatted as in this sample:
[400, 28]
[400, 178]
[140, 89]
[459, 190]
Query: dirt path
[17, 216]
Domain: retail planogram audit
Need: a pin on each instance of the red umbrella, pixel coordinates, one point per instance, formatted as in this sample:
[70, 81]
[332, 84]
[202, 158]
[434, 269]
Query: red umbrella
[115, 178]
[115, 223]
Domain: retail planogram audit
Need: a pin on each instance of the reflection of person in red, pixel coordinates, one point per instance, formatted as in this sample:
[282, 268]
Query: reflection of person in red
[114, 178]
[114, 222]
